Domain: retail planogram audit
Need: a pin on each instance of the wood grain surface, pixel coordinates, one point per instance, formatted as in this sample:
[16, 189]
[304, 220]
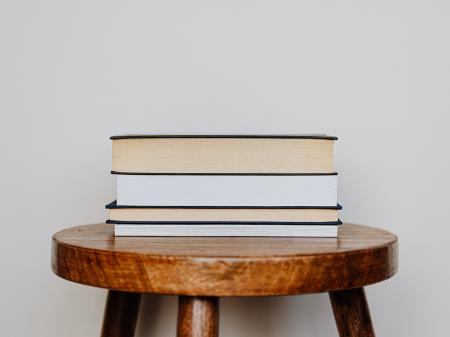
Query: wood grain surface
[224, 266]
[198, 317]
[351, 313]
[121, 312]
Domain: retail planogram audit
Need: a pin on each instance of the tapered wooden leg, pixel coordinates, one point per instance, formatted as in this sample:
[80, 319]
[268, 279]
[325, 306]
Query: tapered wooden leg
[198, 317]
[121, 313]
[351, 313]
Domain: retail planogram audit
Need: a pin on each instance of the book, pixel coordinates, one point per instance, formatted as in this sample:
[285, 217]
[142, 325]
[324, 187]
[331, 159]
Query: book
[225, 230]
[223, 153]
[270, 190]
[224, 185]
[196, 214]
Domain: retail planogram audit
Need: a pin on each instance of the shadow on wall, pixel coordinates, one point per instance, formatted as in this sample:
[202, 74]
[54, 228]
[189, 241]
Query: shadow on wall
[157, 316]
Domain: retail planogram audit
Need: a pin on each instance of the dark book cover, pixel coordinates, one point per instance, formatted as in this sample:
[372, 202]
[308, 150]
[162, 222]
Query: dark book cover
[224, 174]
[275, 136]
[330, 223]
[113, 205]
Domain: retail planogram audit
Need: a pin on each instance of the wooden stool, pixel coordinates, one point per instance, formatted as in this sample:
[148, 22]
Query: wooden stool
[201, 270]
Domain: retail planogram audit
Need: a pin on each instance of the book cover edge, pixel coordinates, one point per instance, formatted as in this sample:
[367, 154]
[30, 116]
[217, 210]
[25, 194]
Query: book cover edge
[221, 174]
[121, 222]
[113, 205]
[242, 136]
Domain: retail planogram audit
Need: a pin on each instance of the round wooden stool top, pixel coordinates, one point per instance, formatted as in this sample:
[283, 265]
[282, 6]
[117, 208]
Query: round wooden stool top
[224, 266]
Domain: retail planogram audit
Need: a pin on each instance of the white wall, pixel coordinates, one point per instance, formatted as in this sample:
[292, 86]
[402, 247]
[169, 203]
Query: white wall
[374, 73]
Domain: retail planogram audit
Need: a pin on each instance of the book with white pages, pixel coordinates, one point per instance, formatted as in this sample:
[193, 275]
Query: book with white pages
[226, 230]
[230, 190]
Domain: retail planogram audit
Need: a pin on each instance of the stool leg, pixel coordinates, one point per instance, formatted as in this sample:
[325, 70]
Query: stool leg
[121, 313]
[198, 317]
[351, 313]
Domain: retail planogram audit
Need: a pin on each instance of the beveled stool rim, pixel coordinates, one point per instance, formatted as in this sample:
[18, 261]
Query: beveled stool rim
[91, 255]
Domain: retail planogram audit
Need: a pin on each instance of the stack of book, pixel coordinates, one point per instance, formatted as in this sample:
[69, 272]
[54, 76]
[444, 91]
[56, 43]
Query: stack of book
[224, 185]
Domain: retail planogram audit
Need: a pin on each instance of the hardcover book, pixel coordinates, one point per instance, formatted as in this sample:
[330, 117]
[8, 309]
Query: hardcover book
[225, 230]
[223, 153]
[227, 190]
[220, 214]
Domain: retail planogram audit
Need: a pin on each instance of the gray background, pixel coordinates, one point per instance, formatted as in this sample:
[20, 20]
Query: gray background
[376, 74]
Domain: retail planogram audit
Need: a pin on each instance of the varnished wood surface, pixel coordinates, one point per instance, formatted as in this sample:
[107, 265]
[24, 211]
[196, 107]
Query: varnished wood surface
[198, 317]
[121, 314]
[351, 313]
[224, 266]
